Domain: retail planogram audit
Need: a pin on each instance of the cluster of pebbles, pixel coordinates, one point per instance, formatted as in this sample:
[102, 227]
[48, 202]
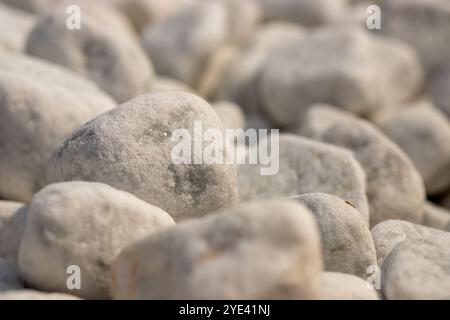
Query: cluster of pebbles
[360, 205]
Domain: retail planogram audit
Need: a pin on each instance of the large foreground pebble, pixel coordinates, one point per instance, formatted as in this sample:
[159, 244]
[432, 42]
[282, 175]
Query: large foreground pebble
[131, 148]
[344, 66]
[12, 225]
[266, 250]
[40, 105]
[85, 225]
[347, 243]
[306, 166]
[35, 295]
[418, 269]
[342, 286]
[108, 56]
[388, 234]
[394, 187]
[423, 132]
[413, 21]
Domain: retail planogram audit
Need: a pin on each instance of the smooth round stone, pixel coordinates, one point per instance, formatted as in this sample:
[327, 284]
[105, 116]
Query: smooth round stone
[34, 295]
[418, 269]
[306, 166]
[423, 132]
[395, 189]
[230, 114]
[388, 234]
[261, 250]
[130, 148]
[82, 224]
[436, 216]
[347, 243]
[41, 105]
[239, 82]
[412, 21]
[9, 279]
[342, 66]
[111, 56]
[12, 225]
[342, 286]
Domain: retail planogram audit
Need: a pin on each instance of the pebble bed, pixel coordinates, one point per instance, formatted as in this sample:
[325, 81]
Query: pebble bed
[93, 205]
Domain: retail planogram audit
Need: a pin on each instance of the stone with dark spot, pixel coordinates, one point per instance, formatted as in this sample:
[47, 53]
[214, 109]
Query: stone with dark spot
[130, 148]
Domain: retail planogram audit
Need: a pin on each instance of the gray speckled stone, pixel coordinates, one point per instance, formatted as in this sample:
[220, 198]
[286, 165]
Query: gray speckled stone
[84, 224]
[307, 166]
[262, 250]
[394, 187]
[130, 148]
[347, 243]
